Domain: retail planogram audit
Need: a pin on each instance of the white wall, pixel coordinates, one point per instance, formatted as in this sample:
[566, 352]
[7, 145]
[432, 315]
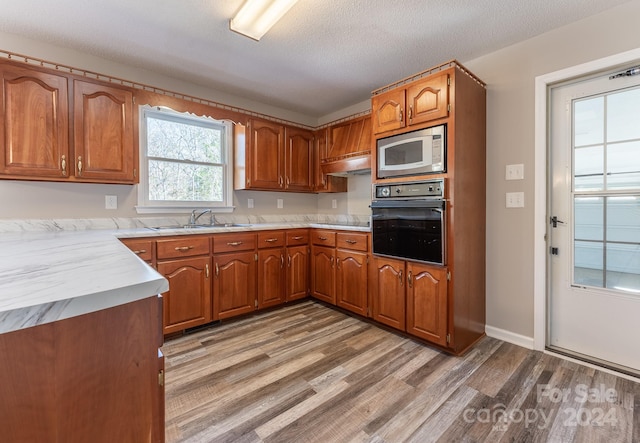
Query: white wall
[510, 74]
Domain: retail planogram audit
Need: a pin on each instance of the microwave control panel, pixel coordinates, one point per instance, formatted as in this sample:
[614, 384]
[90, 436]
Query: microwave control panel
[422, 189]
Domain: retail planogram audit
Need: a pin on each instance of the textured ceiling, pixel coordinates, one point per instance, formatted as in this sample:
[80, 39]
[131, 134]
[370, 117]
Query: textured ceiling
[322, 56]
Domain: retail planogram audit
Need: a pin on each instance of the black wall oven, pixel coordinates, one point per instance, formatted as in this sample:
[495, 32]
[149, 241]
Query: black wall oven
[408, 221]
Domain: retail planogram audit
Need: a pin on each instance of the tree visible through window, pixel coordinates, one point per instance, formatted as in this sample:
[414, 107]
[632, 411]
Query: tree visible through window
[186, 160]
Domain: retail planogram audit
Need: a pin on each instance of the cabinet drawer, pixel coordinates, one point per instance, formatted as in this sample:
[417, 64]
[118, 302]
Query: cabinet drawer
[185, 246]
[298, 237]
[271, 239]
[323, 237]
[142, 248]
[355, 241]
[234, 242]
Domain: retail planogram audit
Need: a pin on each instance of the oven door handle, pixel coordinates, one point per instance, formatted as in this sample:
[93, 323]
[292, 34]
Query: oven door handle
[436, 204]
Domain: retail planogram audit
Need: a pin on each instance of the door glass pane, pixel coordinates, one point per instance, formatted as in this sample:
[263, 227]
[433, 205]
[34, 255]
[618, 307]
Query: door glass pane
[623, 115]
[623, 267]
[623, 165]
[589, 218]
[588, 264]
[589, 121]
[623, 219]
[588, 168]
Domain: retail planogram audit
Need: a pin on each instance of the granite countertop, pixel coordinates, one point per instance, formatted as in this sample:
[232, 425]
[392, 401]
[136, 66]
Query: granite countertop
[56, 273]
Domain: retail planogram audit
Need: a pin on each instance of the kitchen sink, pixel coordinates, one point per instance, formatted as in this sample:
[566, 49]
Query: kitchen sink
[216, 225]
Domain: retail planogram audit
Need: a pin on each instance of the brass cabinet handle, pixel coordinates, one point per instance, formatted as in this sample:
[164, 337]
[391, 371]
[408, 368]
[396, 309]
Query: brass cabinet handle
[298, 237]
[322, 238]
[140, 251]
[280, 181]
[332, 261]
[410, 112]
[351, 242]
[410, 279]
[217, 270]
[289, 260]
[206, 270]
[63, 165]
[234, 243]
[400, 277]
[401, 114]
[183, 248]
[281, 261]
[338, 263]
[270, 240]
[79, 165]
[288, 181]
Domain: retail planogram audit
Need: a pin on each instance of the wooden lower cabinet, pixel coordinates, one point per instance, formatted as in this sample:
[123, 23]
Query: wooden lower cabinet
[90, 378]
[297, 273]
[387, 285]
[323, 275]
[234, 284]
[271, 277]
[187, 303]
[427, 308]
[351, 281]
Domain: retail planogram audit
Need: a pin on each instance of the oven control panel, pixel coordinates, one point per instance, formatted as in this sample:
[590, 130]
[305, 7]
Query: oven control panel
[423, 189]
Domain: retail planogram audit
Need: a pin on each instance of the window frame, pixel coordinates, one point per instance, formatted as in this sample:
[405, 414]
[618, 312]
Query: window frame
[146, 206]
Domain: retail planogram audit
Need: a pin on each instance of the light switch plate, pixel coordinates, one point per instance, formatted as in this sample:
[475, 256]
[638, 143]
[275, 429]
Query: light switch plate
[334, 203]
[279, 203]
[250, 203]
[514, 172]
[515, 200]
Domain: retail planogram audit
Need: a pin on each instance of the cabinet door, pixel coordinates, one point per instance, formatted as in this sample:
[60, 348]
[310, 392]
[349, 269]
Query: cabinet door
[388, 110]
[234, 284]
[266, 151]
[299, 159]
[323, 273]
[188, 301]
[297, 273]
[351, 281]
[427, 302]
[271, 282]
[104, 147]
[388, 292]
[428, 99]
[34, 134]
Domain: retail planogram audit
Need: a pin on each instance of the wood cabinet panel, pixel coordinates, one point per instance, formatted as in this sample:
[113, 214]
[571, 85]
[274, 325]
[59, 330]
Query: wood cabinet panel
[299, 159]
[82, 379]
[323, 273]
[427, 302]
[34, 134]
[143, 248]
[271, 239]
[351, 281]
[234, 284]
[352, 240]
[297, 237]
[324, 182]
[388, 110]
[188, 301]
[104, 145]
[297, 272]
[271, 277]
[428, 99]
[183, 246]
[387, 287]
[323, 237]
[266, 152]
[240, 241]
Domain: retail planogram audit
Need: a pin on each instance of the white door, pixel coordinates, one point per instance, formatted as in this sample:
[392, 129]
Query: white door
[594, 220]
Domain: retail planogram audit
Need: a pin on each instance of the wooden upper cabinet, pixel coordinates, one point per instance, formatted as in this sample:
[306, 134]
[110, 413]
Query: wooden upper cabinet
[266, 152]
[34, 135]
[299, 159]
[104, 148]
[388, 110]
[428, 100]
[324, 182]
[418, 102]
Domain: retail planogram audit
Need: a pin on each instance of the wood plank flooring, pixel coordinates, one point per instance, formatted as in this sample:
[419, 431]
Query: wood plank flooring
[308, 373]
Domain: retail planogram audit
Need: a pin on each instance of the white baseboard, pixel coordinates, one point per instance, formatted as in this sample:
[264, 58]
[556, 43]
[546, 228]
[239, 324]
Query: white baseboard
[510, 337]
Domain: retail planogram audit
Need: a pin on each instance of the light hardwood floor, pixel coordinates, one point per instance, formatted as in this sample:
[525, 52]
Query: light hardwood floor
[308, 373]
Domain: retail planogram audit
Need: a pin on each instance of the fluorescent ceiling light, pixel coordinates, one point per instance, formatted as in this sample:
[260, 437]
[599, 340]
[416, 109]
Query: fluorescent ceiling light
[256, 17]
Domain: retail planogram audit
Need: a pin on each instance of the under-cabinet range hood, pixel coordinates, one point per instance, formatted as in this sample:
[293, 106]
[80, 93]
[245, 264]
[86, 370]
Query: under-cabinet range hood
[346, 147]
[355, 165]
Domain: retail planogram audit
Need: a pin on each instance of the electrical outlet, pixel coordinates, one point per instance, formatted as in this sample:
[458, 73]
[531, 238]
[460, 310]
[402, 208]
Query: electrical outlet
[514, 172]
[515, 200]
[111, 202]
[250, 203]
[279, 203]
[334, 203]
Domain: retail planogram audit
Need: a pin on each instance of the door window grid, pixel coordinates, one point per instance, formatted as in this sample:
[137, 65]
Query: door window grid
[606, 191]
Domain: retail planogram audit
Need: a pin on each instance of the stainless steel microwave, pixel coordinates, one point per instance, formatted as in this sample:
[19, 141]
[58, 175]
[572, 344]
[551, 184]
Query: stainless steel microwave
[413, 153]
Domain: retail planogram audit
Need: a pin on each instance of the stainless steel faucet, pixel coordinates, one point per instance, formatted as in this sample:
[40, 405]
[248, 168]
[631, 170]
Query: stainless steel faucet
[194, 218]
